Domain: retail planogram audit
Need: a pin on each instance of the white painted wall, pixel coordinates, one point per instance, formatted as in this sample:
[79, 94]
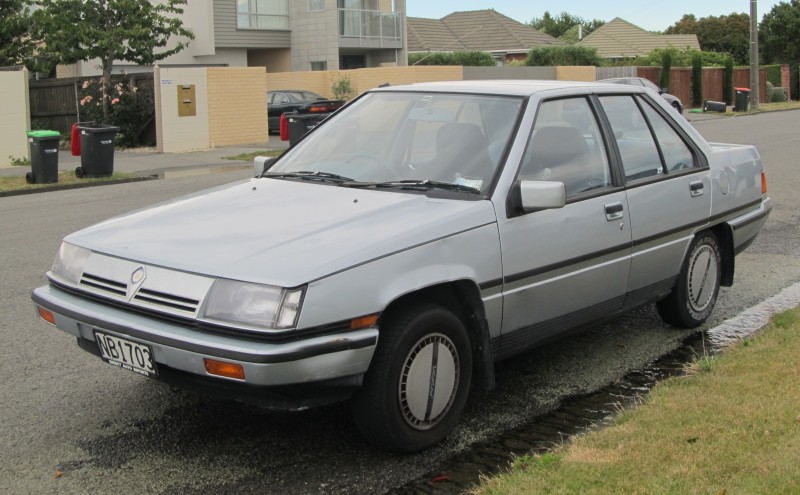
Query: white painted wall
[177, 134]
[15, 117]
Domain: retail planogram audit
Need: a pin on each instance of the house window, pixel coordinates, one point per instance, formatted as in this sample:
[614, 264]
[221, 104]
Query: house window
[319, 65]
[262, 14]
[316, 5]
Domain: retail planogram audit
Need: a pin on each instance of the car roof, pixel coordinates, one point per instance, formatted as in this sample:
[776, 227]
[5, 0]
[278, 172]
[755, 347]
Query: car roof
[511, 87]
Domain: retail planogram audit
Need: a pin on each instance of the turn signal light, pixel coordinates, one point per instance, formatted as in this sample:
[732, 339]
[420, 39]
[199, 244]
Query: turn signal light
[763, 183]
[47, 316]
[363, 322]
[221, 368]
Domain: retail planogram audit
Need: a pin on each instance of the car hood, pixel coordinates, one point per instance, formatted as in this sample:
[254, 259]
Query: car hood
[281, 232]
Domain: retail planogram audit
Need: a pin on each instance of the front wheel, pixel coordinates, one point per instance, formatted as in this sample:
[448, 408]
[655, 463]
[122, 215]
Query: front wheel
[418, 381]
[695, 293]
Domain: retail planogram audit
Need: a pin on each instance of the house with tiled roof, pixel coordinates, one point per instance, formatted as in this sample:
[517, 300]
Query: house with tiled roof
[619, 39]
[477, 30]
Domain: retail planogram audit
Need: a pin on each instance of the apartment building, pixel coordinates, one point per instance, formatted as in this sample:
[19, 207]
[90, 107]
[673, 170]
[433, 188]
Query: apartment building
[284, 35]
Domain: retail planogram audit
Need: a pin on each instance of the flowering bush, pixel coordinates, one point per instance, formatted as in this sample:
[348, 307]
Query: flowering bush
[130, 107]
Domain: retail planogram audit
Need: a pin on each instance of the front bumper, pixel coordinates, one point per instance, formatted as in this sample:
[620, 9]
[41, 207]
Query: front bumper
[307, 364]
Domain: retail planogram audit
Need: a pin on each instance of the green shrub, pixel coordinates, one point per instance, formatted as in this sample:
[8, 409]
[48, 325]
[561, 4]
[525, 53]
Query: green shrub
[680, 58]
[727, 84]
[697, 80]
[666, 67]
[341, 87]
[130, 107]
[463, 58]
[549, 56]
[776, 94]
[773, 74]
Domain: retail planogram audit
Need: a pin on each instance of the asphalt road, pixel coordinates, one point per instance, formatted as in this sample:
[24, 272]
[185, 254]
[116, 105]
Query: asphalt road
[70, 423]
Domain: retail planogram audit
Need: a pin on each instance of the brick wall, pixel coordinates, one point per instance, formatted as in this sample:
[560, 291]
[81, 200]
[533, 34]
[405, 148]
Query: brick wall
[237, 106]
[576, 73]
[362, 80]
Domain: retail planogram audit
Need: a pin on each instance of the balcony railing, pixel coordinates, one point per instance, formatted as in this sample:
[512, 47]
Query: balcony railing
[370, 25]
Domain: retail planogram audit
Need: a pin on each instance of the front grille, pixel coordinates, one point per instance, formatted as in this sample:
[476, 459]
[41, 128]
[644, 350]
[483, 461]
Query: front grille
[104, 284]
[170, 301]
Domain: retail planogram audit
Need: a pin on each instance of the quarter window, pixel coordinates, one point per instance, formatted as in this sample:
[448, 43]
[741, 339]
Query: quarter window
[566, 146]
[677, 155]
[262, 14]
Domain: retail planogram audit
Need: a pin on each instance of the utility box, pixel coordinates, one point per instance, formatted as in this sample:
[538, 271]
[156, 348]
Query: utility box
[187, 103]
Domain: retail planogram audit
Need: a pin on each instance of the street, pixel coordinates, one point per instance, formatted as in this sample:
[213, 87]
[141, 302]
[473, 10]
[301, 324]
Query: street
[71, 423]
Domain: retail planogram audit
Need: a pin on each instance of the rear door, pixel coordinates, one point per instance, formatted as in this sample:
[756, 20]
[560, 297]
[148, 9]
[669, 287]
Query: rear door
[668, 190]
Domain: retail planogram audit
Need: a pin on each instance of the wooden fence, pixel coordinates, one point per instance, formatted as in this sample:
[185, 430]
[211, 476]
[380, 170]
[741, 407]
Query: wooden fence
[680, 82]
[54, 102]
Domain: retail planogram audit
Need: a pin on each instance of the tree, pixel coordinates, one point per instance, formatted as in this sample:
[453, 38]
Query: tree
[687, 25]
[111, 30]
[778, 35]
[16, 45]
[724, 34]
[779, 32]
[564, 26]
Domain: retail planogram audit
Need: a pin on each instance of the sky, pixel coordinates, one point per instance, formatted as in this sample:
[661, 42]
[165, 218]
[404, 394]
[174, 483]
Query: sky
[652, 15]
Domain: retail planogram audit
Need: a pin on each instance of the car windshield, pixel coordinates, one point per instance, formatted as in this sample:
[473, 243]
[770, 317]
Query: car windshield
[409, 140]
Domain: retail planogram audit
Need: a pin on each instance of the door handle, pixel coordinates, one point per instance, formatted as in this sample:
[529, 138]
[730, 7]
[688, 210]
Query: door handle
[614, 211]
[696, 188]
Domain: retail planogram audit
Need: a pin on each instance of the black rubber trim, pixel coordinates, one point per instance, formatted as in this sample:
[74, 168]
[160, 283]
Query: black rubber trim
[343, 343]
[756, 218]
[491, 284]
[276, 397]
[742, 209]
[662, 235]
[563, 264]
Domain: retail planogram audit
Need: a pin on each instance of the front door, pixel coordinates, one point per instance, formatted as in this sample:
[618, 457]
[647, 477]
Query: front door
[567, 266]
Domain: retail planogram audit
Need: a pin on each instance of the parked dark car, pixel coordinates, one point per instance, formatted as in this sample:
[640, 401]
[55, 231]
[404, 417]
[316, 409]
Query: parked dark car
[673, 100]
[296, 100]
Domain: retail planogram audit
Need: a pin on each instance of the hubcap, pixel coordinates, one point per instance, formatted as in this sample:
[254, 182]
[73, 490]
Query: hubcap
[702, 278]
[429, 381]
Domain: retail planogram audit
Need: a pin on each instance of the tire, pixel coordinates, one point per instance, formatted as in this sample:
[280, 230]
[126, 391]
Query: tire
[418, 381]
[79, 172]
[29, 178]
[677, 107]
[695, 293]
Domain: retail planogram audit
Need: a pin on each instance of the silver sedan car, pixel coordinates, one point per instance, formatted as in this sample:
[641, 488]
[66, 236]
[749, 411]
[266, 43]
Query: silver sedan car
[411, 241]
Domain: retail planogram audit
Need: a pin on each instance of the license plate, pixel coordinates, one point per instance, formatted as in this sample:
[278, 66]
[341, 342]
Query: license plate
[126, 354]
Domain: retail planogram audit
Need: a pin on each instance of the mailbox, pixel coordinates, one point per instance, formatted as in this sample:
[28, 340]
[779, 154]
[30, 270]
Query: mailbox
[187, 104]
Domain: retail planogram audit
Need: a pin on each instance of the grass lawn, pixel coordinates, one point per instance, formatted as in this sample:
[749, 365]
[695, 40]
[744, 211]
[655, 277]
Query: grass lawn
[731, 427]
[64, 177]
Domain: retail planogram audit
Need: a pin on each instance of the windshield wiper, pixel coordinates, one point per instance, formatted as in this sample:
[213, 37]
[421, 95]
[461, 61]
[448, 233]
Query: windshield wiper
[416, 185]
[309, 175]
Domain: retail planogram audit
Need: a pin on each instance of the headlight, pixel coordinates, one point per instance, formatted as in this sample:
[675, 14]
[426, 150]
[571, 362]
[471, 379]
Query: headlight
[70, 261]
[255, 305]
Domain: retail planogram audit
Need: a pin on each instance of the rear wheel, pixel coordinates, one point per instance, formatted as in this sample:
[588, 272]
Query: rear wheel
[418, 381]
[695, 293]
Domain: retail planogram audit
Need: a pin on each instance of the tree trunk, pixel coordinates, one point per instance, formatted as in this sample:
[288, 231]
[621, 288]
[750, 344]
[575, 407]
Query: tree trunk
[105, 87]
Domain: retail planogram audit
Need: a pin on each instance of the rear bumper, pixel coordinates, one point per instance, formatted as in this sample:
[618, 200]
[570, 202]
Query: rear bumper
[286, 375]
[746, 227]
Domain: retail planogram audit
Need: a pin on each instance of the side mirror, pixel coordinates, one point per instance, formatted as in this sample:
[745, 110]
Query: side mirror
[534, 195]
[261, 164]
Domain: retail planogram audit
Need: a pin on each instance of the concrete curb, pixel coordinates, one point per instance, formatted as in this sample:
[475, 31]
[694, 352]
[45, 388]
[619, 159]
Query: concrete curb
[63, 187]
